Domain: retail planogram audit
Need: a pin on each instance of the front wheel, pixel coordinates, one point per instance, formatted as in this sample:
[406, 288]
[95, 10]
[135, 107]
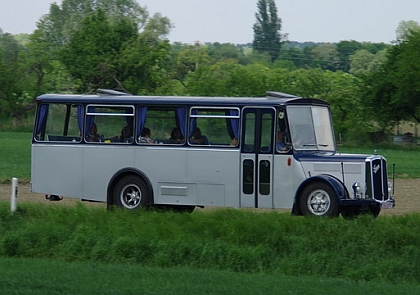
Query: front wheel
[318, 199]
[131, 192]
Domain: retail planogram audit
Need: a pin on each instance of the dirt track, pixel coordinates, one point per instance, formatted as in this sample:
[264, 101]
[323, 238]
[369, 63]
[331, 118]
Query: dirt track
[407, 192]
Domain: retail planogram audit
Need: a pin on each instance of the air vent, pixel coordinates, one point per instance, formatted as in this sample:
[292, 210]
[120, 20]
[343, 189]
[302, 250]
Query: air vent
[110, 92]
[280, 94]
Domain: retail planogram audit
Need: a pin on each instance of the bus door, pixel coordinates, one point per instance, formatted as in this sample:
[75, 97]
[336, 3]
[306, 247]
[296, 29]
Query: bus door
[257, 157]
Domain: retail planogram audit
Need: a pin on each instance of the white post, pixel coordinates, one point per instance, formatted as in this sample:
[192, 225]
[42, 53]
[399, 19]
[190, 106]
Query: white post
[13, 197]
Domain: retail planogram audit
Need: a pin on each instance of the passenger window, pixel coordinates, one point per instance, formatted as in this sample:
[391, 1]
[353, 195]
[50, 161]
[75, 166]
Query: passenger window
[214, 126]
[51, 123]
[109, 124]
[166, 124]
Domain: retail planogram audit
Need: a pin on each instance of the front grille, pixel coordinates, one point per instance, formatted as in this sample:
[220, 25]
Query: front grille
[376, 179]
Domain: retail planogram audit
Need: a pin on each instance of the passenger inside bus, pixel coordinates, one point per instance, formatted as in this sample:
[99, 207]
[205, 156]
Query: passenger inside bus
[176, 136]
[145, 136]
[126, 135]
[93, 135]
[281, 146]
[198, 138]
[234, 142]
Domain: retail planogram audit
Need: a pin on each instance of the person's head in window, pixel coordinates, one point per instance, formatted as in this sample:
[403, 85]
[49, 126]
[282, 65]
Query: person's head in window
[93, 135]
[198, 138]
[176, 135]
[281, 146]
[125, 134]
[145, 136]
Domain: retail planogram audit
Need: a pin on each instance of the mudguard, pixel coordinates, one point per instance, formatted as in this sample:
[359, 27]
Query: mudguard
[340, 190]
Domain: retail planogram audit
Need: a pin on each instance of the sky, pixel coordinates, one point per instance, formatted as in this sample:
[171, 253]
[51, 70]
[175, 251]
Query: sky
[231, 21]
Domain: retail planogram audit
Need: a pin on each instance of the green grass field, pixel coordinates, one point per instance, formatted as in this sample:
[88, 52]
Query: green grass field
[15, 156]
[43, 277]
[83, 250]
[225, 251]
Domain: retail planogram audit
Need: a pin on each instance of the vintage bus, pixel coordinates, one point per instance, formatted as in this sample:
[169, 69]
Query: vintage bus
[176, 152]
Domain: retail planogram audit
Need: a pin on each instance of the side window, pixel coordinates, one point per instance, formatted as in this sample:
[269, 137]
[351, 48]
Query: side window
[282, 138]
[58, 122]
[249, 132]
[266, 132]
[109, 124]
[214, 126]
[162, 125]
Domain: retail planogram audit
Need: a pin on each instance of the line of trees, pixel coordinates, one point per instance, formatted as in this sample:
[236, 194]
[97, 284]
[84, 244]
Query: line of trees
[82, 45]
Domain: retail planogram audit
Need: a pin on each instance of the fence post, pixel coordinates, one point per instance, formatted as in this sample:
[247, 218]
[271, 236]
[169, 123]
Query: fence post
[14, 195]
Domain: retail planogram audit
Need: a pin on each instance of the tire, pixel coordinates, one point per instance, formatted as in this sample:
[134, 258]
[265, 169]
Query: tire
[132, 193]
[318, 199]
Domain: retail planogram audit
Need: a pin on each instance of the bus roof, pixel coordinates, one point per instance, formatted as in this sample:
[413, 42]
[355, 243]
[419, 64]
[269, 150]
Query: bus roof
[272, 99]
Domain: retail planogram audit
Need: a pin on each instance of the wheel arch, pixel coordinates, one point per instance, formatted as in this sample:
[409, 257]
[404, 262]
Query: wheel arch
[338, 187]
[127, 172]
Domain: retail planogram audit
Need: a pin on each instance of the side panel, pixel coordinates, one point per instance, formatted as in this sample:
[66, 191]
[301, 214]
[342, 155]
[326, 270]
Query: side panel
[57, 170]
[216, 173]
[191, 176]
[348, 173]
[166, 169]
[287, 179]
[100, 163]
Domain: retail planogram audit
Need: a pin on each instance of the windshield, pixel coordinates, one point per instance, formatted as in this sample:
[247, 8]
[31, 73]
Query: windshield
[310, 128]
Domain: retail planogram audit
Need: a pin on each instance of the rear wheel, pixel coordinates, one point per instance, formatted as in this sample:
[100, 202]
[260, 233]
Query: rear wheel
[131, 192]
[318, 199]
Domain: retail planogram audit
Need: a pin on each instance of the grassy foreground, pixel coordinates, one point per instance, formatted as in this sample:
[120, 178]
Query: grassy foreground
[43, 277]
[383, 250]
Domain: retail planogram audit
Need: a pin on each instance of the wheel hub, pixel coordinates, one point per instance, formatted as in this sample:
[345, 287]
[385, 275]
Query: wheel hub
[319, 202]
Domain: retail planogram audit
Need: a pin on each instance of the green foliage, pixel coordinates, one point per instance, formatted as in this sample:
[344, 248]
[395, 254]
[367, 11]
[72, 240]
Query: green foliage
[345, 50]
[224, 240]
[393, 91]
[92, 52]
[267, 37]
[14, 100]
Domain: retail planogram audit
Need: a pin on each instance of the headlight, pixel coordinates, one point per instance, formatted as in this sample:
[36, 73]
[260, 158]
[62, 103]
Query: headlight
[390, 186]
[356, 190]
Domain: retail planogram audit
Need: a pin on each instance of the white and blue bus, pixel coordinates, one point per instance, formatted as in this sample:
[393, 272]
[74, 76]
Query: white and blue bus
[135, 152]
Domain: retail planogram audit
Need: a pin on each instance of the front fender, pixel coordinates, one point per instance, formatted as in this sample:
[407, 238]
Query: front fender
[338, 187]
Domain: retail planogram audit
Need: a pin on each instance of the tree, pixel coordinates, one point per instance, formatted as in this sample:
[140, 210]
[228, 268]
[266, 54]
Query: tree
[326, 56]
[62, 21]
[267, 36]
[405, 29]
[14, 101]
[111, 54]
[186, 59]
[92, 52]
[362, 62]
[393, 92]
[345, 50]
